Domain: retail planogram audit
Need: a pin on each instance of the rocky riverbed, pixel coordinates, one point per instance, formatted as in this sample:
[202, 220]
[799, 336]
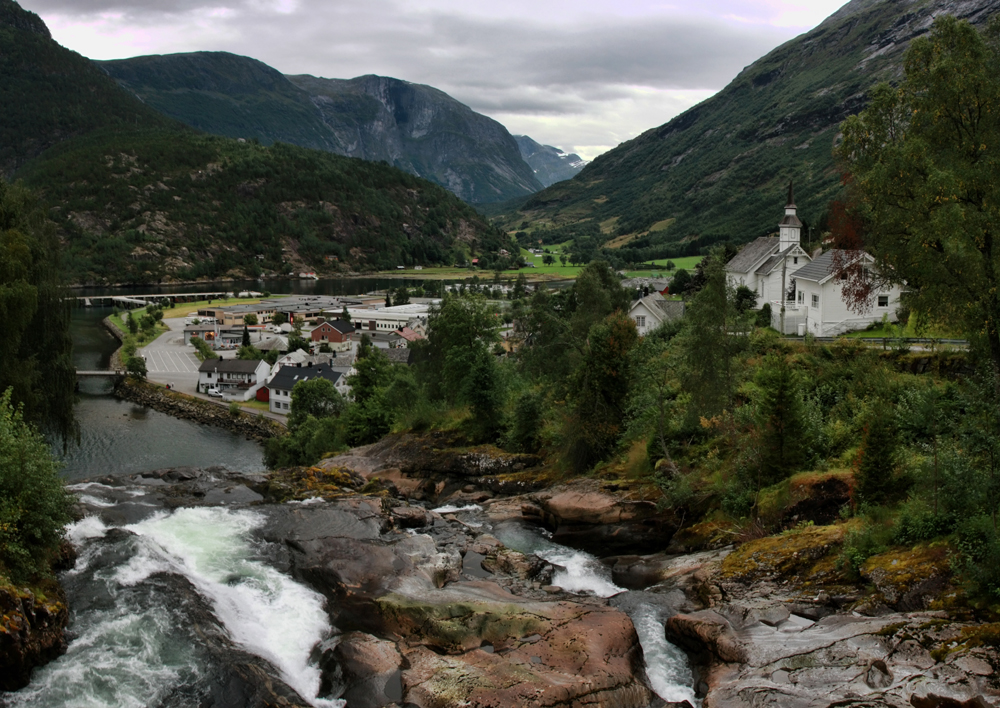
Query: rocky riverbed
[418, 574]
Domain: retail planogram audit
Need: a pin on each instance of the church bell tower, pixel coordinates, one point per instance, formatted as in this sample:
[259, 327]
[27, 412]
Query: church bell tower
[790, 228]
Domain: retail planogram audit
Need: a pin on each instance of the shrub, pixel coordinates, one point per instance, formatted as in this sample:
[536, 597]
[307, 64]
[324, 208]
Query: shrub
[136, 367]
[234, 409]
[34, 504]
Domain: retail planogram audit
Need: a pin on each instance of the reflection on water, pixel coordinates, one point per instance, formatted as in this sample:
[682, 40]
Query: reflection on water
[118, 437]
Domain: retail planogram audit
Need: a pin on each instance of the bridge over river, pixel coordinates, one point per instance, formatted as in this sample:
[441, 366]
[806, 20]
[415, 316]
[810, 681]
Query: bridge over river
[143, 300]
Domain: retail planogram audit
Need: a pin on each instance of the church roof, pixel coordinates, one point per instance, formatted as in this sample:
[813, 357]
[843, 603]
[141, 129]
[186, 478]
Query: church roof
[819, 270]
[791, 220]
[752, 254]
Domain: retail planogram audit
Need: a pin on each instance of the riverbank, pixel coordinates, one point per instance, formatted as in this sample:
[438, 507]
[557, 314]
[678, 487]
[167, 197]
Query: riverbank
[180, 405]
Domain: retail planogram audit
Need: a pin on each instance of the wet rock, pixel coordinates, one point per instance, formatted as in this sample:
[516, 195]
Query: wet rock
[411, 517]
[369, 669]
[31, 634]
[583, 515]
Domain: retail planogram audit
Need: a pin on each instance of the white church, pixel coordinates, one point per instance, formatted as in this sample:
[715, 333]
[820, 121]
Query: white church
[780, 271]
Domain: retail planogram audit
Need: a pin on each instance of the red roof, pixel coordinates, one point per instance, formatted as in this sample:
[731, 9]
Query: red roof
[408, 334]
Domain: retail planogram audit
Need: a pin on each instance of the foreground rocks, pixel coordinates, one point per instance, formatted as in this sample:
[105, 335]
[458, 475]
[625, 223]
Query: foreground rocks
[31, 634]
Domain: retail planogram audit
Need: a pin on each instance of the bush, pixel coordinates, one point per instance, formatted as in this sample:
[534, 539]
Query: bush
[34, 504]
[136, 367]
[234, 409]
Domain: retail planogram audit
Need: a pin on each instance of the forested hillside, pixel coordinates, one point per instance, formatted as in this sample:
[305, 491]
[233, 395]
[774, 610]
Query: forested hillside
[49, 94]
[167, 205]
[416, 128]
[719, 171]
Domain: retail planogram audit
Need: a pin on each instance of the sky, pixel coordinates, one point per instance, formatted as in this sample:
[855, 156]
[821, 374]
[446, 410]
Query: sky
[582, 75]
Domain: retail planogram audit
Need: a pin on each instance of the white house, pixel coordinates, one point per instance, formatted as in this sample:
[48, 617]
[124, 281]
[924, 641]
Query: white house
[782, 273]
[820, 305]
[766, 264]
[284, 379]
[653, 310]
[237, 379]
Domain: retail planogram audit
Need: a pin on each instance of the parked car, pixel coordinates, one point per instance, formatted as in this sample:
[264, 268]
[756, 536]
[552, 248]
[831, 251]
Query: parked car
[214, 393]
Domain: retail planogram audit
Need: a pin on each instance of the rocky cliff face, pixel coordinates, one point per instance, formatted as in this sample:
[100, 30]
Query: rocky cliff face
[416, 128]
[720, 167]
[550, 164]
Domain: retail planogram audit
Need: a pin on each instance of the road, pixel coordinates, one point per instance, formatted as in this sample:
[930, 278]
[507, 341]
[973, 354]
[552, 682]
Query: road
[170, 361]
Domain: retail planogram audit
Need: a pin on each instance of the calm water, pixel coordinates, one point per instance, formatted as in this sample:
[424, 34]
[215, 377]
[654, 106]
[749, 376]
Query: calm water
[117, 437]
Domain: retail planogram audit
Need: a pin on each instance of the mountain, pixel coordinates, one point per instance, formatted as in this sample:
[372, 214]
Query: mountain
[550, 164]
[136, 197]
[417, 128]
[720, 170]
[162, 206]
[49, 94]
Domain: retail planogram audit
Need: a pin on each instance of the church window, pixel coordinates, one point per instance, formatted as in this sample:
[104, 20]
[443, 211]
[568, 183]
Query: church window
[802, 298]
[795, 260]
[883, 301]
[815, 300]
[640, 321]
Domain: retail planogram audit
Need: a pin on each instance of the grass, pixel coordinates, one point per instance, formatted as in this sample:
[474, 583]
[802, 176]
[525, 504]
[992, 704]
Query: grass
[911, 330]
[687, 263]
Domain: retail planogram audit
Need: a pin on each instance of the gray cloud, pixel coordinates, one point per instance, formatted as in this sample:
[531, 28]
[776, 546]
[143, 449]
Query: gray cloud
[582, 68]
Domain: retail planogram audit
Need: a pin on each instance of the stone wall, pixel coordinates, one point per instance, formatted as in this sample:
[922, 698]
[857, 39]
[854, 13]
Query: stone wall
[115, 362]
[180, 405]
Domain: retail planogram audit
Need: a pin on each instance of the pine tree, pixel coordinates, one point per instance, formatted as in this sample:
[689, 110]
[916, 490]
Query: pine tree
[783, 439]
[875, 463]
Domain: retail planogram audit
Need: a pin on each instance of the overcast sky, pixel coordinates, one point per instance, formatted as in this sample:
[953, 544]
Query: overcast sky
[583, 75]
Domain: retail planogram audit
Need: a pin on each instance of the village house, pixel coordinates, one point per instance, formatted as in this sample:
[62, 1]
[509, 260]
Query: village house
[765, 265]
[810, 290]
[653, 310]
[337, 334]
[236, 379]
[278, 391]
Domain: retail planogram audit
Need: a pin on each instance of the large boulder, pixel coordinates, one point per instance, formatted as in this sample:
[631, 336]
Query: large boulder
[584, 515]
[472, 643]
[368, 670]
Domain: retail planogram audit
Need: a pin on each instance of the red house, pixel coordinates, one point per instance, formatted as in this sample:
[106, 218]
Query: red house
[335, 332]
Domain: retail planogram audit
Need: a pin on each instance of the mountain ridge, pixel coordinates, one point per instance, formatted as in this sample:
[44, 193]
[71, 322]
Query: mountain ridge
[718, 171]
[550, 164]
[417, 128]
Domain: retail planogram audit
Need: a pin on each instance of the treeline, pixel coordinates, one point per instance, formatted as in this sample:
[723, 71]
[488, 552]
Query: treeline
[716, 410]
[148, 205]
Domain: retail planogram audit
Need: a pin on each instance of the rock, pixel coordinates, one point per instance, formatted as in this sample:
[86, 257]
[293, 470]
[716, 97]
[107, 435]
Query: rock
[472, 643]
[370, 670]
[411, 517]
[31, 634]
[932, 700]
[583, 515]
[878, 675]
[707, 630]
[910, 579]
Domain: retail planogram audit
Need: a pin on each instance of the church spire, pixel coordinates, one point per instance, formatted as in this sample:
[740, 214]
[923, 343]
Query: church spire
[790, 228]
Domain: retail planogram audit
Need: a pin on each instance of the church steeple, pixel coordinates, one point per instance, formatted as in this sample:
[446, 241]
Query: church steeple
[790, 228]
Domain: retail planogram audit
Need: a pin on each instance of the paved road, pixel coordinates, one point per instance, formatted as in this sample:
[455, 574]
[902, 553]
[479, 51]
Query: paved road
[170, 361]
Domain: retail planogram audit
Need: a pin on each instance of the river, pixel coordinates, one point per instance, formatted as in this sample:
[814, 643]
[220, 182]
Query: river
[134, 639]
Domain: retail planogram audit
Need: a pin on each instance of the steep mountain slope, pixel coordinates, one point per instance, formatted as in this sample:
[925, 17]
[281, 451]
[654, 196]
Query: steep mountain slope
[48, 93]
[720, 170]
[157, 206]
[550, 164]
[416, 128]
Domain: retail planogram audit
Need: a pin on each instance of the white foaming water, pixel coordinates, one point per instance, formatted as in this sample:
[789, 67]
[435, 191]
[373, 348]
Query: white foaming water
[265, 611]
[85, 529]
[452, 509]
[667, 666]
[581, 571]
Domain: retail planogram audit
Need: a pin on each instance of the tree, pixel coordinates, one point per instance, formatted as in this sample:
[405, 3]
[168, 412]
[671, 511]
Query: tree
[388, 298]
[246, 337]
[36, 350]
[402, 296]
[548, 259]
[136, 367]
[746, 299]
[875, 463]
[458, 331]
[485, 393]
[783, 430]
[279, 318]
[34, 504]
[316, 397]
[345, 315]
[679, 283]
[600, 387]
[132, 323]
[714, 333]
[520, 286]
[250, 319]
[562, 259]
[922, 173]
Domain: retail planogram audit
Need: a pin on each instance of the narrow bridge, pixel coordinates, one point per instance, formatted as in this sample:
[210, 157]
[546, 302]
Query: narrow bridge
[101, 373]
[142, 300]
